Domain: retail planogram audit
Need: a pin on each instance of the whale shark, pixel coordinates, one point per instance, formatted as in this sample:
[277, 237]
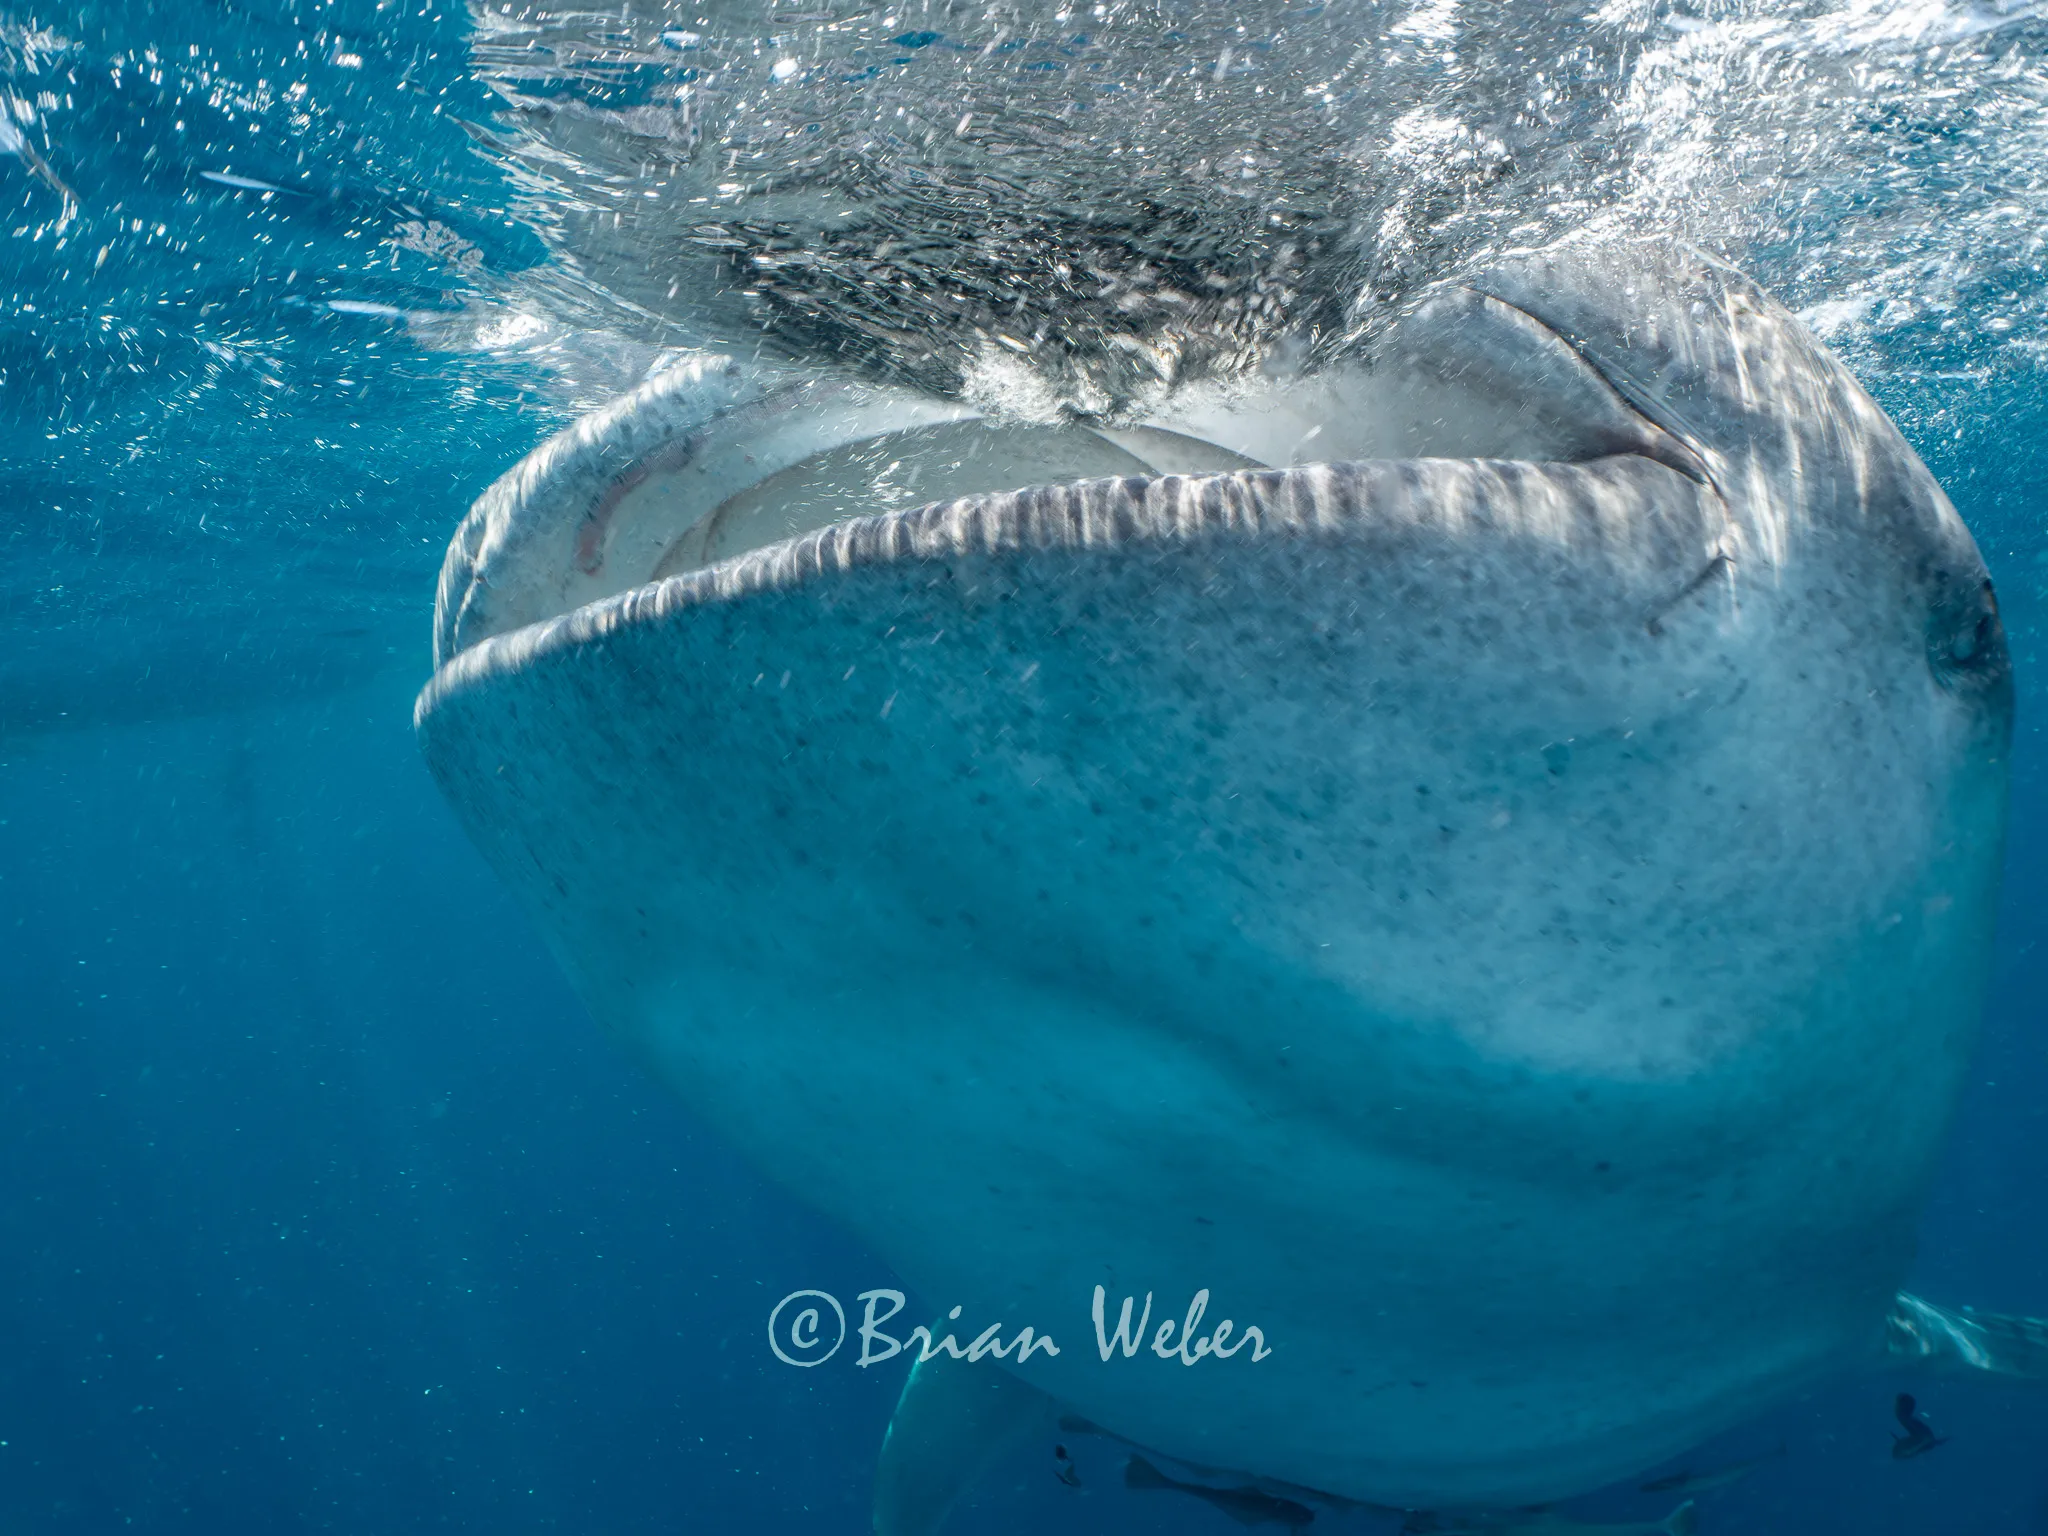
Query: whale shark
[1477, 857]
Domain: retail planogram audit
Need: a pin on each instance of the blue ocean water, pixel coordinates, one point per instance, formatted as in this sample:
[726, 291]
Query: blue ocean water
[323, 1205]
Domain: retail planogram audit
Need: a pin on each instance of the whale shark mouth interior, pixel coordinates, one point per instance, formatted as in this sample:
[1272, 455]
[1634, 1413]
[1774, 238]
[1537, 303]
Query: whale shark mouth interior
[720, 461]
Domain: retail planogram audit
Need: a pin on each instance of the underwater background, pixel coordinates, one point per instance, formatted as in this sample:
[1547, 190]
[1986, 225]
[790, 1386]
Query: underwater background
[323, 1206]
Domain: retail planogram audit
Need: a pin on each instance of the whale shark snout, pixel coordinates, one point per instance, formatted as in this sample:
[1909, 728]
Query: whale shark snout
[1449, 854]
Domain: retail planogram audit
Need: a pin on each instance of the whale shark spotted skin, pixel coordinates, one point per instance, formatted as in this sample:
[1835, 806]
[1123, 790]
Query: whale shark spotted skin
[1482, 857]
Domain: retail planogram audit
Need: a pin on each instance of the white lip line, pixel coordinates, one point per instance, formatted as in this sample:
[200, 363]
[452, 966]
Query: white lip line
[530, 637]
[942, 529]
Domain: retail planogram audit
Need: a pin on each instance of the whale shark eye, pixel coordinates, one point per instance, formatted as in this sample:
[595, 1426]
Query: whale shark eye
[1967, 643]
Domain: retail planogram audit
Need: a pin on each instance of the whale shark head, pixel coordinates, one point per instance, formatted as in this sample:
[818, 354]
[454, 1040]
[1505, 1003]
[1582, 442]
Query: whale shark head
[1452, 853]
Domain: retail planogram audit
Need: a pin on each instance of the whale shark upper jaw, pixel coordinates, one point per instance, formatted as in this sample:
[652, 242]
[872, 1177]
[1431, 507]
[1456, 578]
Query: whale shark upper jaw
[716, 458]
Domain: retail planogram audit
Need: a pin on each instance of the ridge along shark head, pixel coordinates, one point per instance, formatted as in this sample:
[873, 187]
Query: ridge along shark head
[1453, 854]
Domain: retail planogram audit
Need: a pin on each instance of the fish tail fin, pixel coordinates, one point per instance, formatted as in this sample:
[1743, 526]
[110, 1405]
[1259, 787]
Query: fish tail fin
[1682, 1521]
[1140, 1473]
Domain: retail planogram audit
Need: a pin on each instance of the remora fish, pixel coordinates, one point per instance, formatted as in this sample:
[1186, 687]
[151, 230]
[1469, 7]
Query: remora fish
[1682, 1521]
[1689, 1482]
[1919, 1437]
[1064, 1468]
[1247, 1506]
[1450, 856]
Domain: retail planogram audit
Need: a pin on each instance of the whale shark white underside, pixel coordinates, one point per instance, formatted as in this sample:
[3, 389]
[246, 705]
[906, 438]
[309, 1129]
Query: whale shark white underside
[1481, 857]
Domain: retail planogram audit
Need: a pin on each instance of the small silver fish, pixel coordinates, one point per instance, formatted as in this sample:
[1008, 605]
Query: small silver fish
[241, 183]
[14, 142]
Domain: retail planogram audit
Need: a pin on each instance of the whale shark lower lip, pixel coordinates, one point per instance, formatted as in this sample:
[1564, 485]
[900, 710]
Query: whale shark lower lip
[1462, 907]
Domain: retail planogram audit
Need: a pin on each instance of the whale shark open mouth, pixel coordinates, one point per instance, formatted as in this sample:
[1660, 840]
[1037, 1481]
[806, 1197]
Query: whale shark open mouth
[1519, 801]
[718, 458]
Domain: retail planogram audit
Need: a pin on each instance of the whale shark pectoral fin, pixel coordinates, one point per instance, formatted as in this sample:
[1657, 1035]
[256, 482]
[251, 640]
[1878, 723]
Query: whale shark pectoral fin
[1959, 1341]
[955, 1419]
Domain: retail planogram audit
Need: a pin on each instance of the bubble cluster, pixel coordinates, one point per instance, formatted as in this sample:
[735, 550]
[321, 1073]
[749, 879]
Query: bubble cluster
[1125, 194]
